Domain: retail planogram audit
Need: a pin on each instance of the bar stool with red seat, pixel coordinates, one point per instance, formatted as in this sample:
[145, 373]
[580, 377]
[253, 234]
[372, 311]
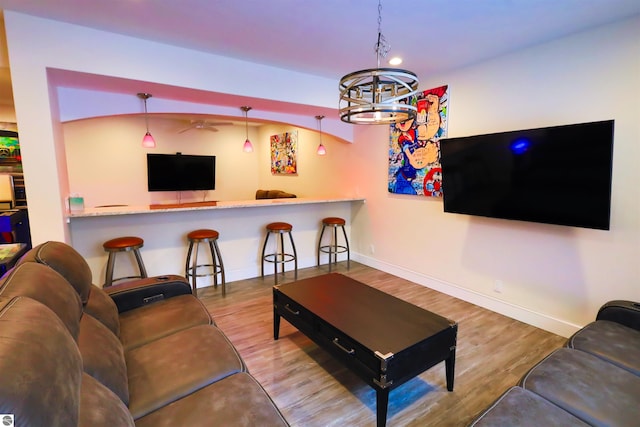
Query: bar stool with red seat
[279, 256]
[123, 244]
[333, 248]
[216, 267]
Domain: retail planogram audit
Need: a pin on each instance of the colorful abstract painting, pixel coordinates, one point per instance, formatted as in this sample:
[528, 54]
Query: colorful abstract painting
[414, 146]
[9, 146]
[284, 153]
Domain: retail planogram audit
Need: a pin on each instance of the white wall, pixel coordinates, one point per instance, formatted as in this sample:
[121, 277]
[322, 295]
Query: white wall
[37, 46]
[318, 176]
[106, 163]
[553, 276]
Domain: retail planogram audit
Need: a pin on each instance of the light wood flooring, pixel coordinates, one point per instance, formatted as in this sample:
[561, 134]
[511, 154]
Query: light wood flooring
[313, 390]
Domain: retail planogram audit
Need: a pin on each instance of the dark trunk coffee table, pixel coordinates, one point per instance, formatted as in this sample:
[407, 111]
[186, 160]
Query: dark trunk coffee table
[384, 340]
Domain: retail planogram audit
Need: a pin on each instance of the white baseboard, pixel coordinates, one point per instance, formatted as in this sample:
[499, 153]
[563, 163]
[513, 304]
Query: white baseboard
[523, 314]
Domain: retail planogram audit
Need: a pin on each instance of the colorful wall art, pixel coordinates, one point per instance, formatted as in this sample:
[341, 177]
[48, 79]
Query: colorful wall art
[284, 153]
[414, 146]
[9, 147]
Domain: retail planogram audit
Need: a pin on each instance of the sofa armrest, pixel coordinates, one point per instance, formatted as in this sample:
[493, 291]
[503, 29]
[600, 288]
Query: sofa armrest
[137, 293]
[626, 313]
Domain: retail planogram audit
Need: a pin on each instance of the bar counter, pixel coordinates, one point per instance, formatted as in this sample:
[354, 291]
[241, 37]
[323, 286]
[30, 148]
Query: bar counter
[241, 225]
[194, 206]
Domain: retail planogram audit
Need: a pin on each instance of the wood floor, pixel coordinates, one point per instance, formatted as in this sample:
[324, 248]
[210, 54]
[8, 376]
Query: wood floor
[312, 389]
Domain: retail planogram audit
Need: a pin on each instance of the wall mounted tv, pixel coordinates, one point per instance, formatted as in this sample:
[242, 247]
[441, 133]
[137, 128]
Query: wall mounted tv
[180, 172]
[555, 175]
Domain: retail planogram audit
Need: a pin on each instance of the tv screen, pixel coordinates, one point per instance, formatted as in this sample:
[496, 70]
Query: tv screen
[180, 172]
[555, 175]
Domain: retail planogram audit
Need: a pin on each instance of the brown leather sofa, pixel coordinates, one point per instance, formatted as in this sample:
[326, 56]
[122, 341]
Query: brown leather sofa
[274, 194]
[593, 381]
[143, 353]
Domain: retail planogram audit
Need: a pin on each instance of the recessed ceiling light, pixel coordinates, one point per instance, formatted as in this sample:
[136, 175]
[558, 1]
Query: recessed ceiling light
[396, 60]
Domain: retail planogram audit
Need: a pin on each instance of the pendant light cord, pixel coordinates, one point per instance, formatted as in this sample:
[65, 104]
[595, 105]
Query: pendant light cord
[320, 126]
[146, 115]
[246, 123]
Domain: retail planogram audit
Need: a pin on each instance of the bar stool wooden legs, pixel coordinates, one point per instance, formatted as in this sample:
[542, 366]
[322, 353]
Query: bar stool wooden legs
[123, 244]
[333, 248]
[279, 256]
[216, 267]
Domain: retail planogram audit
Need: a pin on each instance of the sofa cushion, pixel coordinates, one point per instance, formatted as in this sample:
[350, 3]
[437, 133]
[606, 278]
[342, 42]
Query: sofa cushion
[100, 407]
[71, 265]
[523, 408]
[103, 357]
[142, 324]
[597, 392]
[151, 322]
[40, 365]
[169, 368]
[610, 341]
[237, 400]
[101, 306]
[48, 287]
[66, 261]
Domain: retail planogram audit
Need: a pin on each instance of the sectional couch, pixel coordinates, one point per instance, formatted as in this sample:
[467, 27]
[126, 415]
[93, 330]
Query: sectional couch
[593, 381]
[144, 353]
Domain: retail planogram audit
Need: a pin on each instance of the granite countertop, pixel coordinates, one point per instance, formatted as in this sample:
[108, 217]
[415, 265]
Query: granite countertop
[193, 206]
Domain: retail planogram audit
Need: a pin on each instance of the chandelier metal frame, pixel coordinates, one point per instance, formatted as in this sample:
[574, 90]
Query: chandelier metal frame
[378, 95]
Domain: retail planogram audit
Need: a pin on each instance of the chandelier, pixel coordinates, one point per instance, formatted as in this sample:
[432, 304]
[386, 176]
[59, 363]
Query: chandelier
[378, 95]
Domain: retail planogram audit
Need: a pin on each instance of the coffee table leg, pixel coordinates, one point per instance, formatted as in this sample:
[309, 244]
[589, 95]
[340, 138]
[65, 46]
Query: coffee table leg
[450, 365]
[276, 324]
[382, 402]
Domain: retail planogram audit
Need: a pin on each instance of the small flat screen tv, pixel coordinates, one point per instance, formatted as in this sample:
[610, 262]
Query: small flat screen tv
[554, 175]
[180, 172]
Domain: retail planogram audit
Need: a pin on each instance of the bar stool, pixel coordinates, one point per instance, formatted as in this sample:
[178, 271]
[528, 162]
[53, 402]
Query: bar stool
[217, 267]
[333, 248]
[123, 244]
[279, 256]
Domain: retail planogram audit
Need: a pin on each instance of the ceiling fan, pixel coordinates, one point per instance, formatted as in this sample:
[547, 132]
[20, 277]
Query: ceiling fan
[204, 125]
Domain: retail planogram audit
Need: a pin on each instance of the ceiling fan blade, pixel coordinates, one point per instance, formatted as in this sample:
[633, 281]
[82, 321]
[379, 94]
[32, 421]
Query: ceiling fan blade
[204, 125]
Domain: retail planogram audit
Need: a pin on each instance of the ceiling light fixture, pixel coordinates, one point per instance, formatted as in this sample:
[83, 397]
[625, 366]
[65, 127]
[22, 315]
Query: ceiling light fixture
[321, 151]
[247, 147]
[378, 95]
[147, 141]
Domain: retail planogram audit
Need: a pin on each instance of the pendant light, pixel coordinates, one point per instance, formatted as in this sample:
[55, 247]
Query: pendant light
[321, 151]
[378, 95]
[147, 141]
[247, 147]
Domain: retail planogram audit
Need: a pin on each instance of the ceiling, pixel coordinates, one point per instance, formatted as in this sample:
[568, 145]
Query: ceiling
[331, 38]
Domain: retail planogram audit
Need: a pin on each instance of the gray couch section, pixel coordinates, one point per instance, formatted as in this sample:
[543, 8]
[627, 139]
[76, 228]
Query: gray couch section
[594, 380]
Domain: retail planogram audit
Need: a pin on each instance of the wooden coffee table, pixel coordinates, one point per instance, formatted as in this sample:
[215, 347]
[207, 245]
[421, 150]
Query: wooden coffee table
[384, 340]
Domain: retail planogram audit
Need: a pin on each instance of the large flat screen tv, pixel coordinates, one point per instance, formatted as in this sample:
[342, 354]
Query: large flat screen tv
[180, 172]
[554, 175]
